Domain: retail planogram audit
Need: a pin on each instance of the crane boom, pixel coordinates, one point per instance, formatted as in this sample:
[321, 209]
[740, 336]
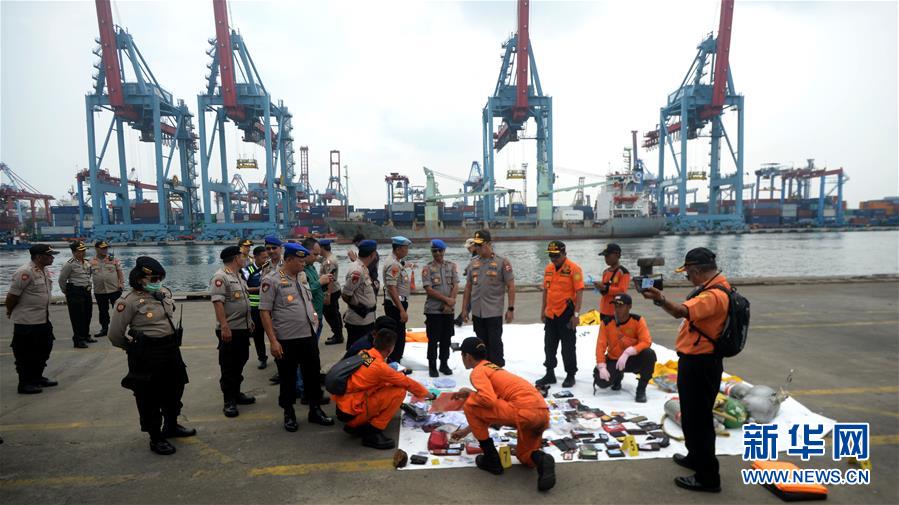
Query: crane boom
[226, 60]
[522, 60]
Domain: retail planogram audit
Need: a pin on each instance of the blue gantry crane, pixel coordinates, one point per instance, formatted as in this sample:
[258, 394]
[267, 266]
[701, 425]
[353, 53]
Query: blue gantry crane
[125, 86]
[697, 103]
[248, 104]
[518, 97]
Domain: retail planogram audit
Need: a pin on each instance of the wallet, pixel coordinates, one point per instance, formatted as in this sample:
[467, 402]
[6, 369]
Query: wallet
[438, 441]
[418, 459]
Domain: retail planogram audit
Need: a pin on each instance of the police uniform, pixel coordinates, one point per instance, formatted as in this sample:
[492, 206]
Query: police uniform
[488, 278]
[32, 338]
[229, 289]
[75, 283]
[359, 294]
[561, 286]
[156, 371]
[109, 280]
[332, 300]
[397, 275]
[289, 301]
[440, 277]
[252, 275]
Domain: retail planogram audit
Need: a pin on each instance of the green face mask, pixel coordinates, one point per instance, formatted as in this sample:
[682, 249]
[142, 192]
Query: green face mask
[153, 287]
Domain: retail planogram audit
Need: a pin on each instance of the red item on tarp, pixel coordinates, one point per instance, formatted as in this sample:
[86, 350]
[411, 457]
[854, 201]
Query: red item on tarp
[438, 441]
[472, 448]
[446, 403]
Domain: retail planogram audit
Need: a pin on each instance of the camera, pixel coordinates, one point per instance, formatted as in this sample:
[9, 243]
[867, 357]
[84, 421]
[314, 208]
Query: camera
[646, 279]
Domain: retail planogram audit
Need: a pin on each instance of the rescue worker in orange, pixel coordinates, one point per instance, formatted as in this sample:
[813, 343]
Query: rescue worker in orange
[699, 368]
[504, 399]
[623, 346]
[374, 394]
[563, 289]
[615, 281]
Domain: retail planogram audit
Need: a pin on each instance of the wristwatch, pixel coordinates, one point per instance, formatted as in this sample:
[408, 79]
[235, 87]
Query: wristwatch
[659, 303]
[510, 308]
[577, 314]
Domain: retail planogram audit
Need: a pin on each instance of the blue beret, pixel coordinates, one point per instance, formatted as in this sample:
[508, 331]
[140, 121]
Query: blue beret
[438, 244]
[294, 249]
[325, 241]
[273, 240]
[400, 240]
[367, 245]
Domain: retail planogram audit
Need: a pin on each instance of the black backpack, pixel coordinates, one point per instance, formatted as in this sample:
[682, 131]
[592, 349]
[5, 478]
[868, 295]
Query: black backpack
[339, 374]
[736, 327]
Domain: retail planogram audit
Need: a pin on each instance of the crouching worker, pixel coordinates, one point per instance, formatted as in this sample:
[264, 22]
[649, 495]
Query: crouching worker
[505, 399]
[623, 346]
[374, 393]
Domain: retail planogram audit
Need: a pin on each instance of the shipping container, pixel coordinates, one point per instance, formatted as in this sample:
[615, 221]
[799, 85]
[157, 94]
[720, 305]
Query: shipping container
[567, 215]
[403, 207]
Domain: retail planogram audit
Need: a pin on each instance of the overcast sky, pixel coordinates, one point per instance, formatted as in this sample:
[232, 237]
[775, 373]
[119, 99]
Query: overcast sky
[400, 85]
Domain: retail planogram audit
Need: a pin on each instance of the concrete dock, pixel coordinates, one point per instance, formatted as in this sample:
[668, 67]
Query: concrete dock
[80, 442]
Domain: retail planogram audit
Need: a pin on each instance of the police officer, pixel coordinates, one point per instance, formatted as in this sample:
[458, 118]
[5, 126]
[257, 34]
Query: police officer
[396, 292]
[359, 294]
[143, 325]
[623, 346]
[75, 283]
[440, 279]
[285, 306]
[109, 281]
[329, 267]
[246, 245]
[234, 324]
[472, 251]
[252, 274]
[699, 368]
[563, 289]
[615, 281]
[489, 277]
[28, 306]
[273, 246]
[353, 254]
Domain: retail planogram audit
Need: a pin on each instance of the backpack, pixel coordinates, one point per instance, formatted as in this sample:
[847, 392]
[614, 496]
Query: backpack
[337, 377]
[736, 327]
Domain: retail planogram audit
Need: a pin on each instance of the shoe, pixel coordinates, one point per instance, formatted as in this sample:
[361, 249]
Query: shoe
[432, 369]
[640, 397]
[334, 340]
[80, 344]
[47, 383]
[161, 446]
[458, 320]
[275, 379]
[318, 416]
[244, 399]
[352, 430]
[177, 431]
[325, 399]
[376, 439]
[29, 389]
[290, 421]
[691, 484]
[90, 340]
[263, 364]
[569, 381]
[230, 409]
[103, 332]
[546, 470]
[549, 378]
[683, 461]
[445, 369]
[490, 464]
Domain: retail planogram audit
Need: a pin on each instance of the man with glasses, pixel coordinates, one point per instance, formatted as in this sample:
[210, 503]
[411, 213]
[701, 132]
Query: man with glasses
[28, 306]
[440, 279]
[75, 283]
[563, 289]
[273, 247]
[489, 278]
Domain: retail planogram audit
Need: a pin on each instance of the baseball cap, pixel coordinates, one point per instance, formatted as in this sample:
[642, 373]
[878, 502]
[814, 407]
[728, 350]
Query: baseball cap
[42, 249]
[77, 246]
[555, 247]
[697, 256]
[622, 299]
[101, 244]
[438, 244]
[481, 236]
[611, 248]
[245, 242]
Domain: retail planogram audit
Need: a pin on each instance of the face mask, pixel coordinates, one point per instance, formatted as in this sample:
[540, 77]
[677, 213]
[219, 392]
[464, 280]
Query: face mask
[153, 287]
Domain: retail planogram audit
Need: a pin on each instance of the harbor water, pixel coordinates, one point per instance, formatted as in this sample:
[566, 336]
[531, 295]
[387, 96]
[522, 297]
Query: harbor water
[819, 254]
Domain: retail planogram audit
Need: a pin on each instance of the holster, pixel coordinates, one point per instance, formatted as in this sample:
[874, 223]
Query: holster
[361, 310]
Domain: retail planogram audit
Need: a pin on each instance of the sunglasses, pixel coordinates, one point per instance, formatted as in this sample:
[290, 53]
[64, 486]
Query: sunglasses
[271, 248]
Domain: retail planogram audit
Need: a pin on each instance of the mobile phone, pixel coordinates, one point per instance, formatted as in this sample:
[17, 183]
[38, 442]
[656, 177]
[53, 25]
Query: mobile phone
[641, 283]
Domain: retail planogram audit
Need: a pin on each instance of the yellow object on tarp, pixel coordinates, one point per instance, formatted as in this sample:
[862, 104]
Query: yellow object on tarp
[416, 336]
[590, 318]
[791, 492]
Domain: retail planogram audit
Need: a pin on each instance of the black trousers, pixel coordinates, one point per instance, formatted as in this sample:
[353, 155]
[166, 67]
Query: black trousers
[233, 356]
[258, 334]
[490, 331]
[332, 315]
[440, 330]
[355, 332]
[393, 312]
[156, 375]
[80, 305]
[104, 301]
[557, 330]
[642, 363]
[698, 380]
[31, 346]
[303, 353]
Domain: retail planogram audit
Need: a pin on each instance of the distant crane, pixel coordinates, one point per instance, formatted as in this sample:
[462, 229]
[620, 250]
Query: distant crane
[335, 190]
[15, 191]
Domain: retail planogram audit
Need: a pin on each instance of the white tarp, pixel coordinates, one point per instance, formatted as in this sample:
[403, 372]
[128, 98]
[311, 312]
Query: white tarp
[524, 357]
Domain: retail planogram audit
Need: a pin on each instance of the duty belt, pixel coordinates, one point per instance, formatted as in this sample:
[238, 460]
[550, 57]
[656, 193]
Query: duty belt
[361, 310]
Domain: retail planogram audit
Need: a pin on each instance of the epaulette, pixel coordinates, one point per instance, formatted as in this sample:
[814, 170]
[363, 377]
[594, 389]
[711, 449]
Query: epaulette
[367, 358]
[492, 366]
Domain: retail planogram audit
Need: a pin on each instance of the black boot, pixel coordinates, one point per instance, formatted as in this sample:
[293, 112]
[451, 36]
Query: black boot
[432, 368]
[230, 409]
[90, 339]
[80, 344]
[47, 383]
[172, 429]
[546, 470]
[29, 389]
[375, 438]
[160, 445]
[102, 333]
[290, 420]
[444, 368]
[569, 381]
[640, 397]
[616, 381]
[489, 461]
[263, 363]
[244, 399]
[549, 378]
[318, 416]
[334, 340]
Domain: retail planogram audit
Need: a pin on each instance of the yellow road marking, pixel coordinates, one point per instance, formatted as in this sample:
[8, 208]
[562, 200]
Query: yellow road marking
[821, 325]
[879, 412]
[337, 466]
[207, 450]
[843, 391]
[885, 439]
[69, 481]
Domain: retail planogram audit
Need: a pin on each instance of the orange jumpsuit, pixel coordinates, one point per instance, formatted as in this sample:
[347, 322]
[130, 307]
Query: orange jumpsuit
[375, 392]
[504, 398]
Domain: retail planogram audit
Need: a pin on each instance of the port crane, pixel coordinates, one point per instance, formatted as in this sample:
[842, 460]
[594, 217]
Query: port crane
[17, 191]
